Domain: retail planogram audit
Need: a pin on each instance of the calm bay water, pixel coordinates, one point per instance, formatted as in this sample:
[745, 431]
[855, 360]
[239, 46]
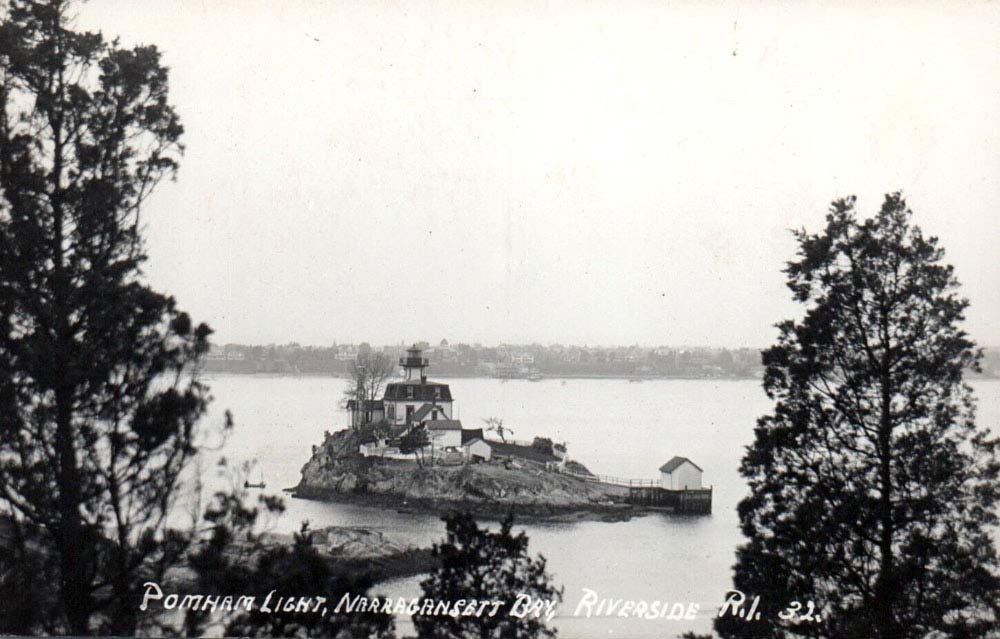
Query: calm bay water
[612, 426]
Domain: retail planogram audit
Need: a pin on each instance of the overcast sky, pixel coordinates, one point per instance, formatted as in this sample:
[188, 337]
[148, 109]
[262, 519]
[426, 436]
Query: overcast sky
[574, 172]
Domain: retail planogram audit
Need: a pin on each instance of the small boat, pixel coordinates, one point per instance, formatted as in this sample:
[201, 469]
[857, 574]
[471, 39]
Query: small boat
[259, 484]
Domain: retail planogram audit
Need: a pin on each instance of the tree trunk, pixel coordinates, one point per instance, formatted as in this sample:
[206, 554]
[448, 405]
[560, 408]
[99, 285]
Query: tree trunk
[72, 570]
[124, 621]
[885, 622]
[73, 584]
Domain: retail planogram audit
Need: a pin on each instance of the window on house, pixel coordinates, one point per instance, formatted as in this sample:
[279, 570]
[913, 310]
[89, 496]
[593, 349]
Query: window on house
[391, 411]
[437, 392]
[409, 412]
[409, 392]
[434, 415]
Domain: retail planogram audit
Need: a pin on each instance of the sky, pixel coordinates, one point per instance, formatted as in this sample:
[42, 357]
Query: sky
[555, 172]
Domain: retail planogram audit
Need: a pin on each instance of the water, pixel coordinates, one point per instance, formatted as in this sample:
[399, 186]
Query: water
[612, 426]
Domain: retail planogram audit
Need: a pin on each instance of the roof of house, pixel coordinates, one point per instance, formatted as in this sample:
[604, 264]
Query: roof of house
[470, 442]
[422, 391]
[675, 463]
[469, 434]
[444, 424]
[369, 404]
[524, 452]
[421, 413]
[398, 430]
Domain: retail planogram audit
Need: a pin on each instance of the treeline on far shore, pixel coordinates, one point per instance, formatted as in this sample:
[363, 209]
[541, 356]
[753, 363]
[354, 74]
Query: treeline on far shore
[514, 361]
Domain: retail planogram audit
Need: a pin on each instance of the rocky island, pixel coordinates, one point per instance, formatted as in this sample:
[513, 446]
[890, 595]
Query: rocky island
[514, 482]
[405, 450]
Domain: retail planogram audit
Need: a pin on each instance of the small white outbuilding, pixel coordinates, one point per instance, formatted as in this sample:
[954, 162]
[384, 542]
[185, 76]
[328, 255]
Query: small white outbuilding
[445, 433]
[477, 449]
[680, 473]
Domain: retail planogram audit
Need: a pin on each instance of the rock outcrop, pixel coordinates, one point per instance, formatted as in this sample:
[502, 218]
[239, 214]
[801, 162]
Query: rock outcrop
[347, 550]
[342, 542]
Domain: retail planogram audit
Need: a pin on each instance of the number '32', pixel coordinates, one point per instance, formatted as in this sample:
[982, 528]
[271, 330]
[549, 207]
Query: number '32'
[794, 612]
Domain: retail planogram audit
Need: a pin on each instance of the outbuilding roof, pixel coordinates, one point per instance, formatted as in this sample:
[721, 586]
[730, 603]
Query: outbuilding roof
[369, 404]
[469, 434]
[444, 424]
[677, 462]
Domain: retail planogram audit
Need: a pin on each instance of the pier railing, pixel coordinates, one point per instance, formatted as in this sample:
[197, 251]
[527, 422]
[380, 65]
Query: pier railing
[610, 479]
[648, 492]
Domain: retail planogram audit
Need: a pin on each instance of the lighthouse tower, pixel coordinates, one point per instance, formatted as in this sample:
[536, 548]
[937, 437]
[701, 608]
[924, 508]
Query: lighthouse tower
[413, 365]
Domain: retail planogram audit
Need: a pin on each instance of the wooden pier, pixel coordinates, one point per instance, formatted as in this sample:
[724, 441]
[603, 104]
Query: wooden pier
[648, 492]
[696, 501]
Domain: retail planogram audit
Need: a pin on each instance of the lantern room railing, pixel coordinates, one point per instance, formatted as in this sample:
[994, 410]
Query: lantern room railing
[413, 362]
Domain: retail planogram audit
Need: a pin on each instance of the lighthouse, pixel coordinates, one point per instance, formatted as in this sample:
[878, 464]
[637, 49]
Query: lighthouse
[414, 399]
[413, 365]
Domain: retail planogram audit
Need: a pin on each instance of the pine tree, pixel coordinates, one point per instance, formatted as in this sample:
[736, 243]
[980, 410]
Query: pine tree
[99, 396]
[873, 493]
[480, 565]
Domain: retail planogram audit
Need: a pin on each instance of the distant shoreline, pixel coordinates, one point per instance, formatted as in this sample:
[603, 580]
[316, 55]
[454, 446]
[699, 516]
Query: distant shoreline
[656, 378]
[499, 379]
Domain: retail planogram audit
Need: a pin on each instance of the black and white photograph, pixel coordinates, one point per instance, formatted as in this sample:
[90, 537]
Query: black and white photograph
[465, 319]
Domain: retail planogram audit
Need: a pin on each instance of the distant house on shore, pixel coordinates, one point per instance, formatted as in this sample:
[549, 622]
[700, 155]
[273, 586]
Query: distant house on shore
[680, 473]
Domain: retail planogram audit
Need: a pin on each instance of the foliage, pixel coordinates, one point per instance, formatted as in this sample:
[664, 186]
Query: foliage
[495, 425]
[414, 442]
[482, 565]
[577, 467]
[873, 492]
[27, 573]
[233, 559]
[99, 395]
[369, 373]
[542, 445]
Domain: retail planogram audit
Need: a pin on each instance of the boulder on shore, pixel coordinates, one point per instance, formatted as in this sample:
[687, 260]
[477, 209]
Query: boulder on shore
[343, 542]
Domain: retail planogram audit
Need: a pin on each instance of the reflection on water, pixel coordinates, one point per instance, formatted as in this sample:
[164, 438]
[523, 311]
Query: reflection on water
[613, 427]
